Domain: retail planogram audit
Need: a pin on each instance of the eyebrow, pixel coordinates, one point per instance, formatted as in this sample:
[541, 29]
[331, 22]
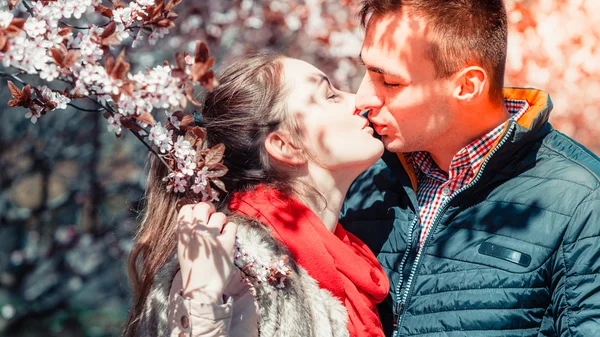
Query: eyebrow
[380, 71]
[323, 79]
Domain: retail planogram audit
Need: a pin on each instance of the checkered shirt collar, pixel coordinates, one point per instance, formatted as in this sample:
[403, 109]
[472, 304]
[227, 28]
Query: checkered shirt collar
[471, 156]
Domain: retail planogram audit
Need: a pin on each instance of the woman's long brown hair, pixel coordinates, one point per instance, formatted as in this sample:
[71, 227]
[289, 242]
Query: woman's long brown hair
[240, 113]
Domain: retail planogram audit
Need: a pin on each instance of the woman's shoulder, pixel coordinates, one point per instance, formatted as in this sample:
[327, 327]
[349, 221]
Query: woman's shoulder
[257, 238]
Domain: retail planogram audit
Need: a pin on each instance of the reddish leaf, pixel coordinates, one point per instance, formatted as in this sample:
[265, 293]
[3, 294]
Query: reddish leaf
[15, 26]
[109, 63]
[214, 155]
[197, 70]
[186, 121]
[178, 73]
[172, 15]
[71, 58]
[145, 118]
[127, 88]
[195, 135]
[58, 56]
[130, 124]
[172, 4]
[112, 40]
[219, 184]
[3, 42]
[217, 170]
[109, 30]
[180, 60]
[121, 67]
[12, 4]
[104, 11]
[201, 52]
[165, 23]
[209, 81]
[21, 97]
[14, 91]
[65, 32]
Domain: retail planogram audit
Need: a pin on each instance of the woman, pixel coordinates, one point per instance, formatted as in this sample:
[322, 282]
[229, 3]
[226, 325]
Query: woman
[294, 144]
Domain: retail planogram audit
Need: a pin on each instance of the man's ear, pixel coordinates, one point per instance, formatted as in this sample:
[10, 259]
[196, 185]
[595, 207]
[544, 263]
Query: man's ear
[281, 146]
[470, 84]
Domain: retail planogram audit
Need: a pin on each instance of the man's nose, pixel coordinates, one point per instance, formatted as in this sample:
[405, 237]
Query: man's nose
[367, 97]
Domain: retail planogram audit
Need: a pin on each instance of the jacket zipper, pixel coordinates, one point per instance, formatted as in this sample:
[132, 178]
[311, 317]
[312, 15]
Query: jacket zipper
[397, 308]
[417, 263]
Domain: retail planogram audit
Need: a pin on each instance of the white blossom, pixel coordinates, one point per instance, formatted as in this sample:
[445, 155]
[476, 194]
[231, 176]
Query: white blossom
[182, 148]
[161, 137]
[114, 124]
[173, 119]
[179, 184]
[34, 27]
[187, 166]
[49, 72]
[55, 97]
[5, 18]
[94, 77]
[33, 115]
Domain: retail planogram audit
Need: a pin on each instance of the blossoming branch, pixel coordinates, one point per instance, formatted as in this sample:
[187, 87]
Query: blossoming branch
[44, 44]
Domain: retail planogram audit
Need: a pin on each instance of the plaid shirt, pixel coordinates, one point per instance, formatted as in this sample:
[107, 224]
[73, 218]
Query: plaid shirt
[435, 186]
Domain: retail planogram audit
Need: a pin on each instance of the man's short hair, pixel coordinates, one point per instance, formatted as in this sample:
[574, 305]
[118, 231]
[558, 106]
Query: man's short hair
[464, 32]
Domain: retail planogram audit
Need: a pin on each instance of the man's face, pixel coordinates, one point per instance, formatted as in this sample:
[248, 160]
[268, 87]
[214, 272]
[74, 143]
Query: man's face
[409, 106]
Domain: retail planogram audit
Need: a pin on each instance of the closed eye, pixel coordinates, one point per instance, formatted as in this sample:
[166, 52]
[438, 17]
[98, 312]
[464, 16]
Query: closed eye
[391, 85]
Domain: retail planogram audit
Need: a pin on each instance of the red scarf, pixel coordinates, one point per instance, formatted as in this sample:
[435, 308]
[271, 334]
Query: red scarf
[338, 261]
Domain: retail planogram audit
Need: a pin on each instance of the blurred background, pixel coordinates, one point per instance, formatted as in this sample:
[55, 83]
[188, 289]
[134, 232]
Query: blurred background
[70, 192]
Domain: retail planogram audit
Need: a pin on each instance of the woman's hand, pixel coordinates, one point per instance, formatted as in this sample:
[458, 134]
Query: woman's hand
[205, 251]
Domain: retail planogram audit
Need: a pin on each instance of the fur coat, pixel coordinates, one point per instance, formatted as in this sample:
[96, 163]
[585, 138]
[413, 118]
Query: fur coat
[300, 308]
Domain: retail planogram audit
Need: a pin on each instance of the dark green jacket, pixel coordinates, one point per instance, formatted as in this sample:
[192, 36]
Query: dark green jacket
[515, 253]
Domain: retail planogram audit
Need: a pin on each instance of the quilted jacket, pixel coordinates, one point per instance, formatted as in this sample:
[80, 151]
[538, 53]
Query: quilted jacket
[514, 253]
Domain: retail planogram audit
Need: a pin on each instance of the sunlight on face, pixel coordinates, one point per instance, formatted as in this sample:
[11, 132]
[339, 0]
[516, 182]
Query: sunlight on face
[408, 103]
[332, 134]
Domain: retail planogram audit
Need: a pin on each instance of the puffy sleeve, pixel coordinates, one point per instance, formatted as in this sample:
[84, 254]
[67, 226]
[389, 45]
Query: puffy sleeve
[576, 280]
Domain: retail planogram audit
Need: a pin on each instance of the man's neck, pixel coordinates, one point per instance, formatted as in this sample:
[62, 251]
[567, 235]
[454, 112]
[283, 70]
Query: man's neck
[474, 125]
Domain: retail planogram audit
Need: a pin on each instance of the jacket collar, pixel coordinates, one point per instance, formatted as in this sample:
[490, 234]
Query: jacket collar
[528, 127]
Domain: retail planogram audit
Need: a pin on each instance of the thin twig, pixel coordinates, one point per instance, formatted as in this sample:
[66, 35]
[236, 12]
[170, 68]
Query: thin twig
[135, 133]
[28, 7]
[72, 26]
[83, 109]
[13, 76]
[111, 111]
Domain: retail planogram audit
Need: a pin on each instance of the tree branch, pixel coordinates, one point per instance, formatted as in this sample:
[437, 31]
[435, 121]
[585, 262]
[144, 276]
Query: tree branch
[135, 133]
[28, 7]
[83, 109]
[13, 76]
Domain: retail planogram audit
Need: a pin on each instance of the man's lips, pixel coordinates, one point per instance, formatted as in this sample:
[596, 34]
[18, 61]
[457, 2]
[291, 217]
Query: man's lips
[379, 128]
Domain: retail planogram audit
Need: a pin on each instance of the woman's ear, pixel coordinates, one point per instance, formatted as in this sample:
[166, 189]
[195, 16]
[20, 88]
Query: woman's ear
[281, 146]
[470, 84]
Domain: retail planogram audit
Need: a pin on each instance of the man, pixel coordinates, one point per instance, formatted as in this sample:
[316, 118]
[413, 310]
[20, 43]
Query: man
[486, 219]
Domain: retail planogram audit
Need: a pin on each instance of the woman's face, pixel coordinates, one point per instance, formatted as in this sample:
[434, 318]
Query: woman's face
[333, 134]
